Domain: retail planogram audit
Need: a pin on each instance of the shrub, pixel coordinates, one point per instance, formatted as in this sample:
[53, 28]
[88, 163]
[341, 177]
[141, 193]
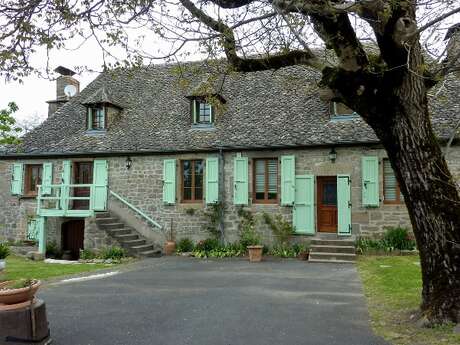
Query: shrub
[52, 250]
[398, 238]
[4, 251]
[185, 245]
[223, 251]
[287, 251]
[87, 254]
[207, 245]
[114, 253]
[282, 229]
[248, 234]
[213, 213]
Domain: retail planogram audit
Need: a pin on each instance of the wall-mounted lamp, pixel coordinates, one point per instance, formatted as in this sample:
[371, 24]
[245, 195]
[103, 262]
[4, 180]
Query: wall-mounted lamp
[129, 162]
[333, 155]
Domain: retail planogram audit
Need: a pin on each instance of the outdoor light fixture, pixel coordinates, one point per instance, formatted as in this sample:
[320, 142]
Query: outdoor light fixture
[332, 155]
[129, 162]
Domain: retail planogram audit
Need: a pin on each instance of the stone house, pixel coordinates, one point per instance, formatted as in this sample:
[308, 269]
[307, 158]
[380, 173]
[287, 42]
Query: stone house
[140, 152]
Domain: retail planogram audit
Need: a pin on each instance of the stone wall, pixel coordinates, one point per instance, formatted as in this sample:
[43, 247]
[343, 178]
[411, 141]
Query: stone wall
[142, 186]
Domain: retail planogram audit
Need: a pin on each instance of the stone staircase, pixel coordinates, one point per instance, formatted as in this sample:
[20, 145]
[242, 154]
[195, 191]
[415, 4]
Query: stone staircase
[134, 244]
[332, 249]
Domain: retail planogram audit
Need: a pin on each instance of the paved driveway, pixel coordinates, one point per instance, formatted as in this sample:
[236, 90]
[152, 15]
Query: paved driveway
[182, 301]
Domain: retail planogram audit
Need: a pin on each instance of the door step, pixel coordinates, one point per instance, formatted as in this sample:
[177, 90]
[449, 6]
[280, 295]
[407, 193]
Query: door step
[323, 248]
[332, 256]
[332, 250]
[331, 261]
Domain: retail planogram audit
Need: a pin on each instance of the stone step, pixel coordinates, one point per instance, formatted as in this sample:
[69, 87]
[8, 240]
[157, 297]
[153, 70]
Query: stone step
[141, 248]
[331, 261]
[155, 253]
[108, 226]
[133, 243]
[102, 214]
[332, 249]
[333, 256]
[119, 232]
[127, 237]
[107, 220]
[323, 242]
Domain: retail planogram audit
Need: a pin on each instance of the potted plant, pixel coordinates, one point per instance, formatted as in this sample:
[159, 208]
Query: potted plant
[304, 252]
[16, 293]
[250, 238]
[4, 252]
[170, 244]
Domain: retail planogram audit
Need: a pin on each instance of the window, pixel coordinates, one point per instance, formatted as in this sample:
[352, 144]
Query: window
[265, 189]
[192, 180]
[202, 112]
[341, 111]
[33, 178]
[391, 191]
[96, 118]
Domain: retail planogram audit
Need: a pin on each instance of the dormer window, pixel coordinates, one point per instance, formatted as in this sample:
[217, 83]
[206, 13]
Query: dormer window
[202, 112]
[340, 111]
[97, 118]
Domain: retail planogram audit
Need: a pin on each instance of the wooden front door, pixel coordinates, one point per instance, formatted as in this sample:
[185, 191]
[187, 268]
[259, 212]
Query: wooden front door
[83, 174]
[73, 236]
[327, 203]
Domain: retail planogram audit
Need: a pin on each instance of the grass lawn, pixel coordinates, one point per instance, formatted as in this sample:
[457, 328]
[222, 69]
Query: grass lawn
[18, 267]
[392, 286]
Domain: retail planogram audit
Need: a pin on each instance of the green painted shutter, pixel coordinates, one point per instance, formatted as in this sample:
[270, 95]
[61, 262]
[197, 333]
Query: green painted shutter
[32, 233]
[193, 110]
[47, 178]
[100, 182]
[40, 229]
[17, 179]
[370, 181]
[66, 172]
[303, 217]
[287, 180]
[240, 181]
[212, 180]
[169, 181]
[344, 204]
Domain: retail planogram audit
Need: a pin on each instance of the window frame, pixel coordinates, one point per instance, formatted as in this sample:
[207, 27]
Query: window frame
[193, 200]
[28, 192]
[196, 102]
[90, 117]
[398, 200]
[265, 200]
[336, 116]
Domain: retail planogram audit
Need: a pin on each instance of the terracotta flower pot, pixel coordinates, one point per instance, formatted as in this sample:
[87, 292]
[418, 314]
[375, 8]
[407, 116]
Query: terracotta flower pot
[14, 296]
[304, 256]
[255, 253]
[170, 247]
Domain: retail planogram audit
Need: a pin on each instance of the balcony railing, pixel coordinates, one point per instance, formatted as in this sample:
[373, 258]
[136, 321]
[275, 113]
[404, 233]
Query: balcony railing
[59, 200]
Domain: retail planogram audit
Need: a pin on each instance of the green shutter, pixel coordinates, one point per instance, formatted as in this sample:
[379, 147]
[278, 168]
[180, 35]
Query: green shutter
[17, 178]
[212, 180]
[344, 204]
[370, 181]
[40, 229]
[32, 229]
[193, 110]
[240, 181]
[169, 181]
[66, 172]
[287, 180]
[303, 217]
[100, 182]
[47, 178]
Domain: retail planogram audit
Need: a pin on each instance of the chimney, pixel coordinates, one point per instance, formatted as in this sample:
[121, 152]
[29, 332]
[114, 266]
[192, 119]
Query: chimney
[66, 87]
[453, 48]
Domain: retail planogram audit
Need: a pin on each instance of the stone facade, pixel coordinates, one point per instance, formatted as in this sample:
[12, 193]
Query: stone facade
[142, 186]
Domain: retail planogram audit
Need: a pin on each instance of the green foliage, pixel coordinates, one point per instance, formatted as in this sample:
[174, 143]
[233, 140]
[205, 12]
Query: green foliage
[4, 251]
[8, 128]
[282, 229]
[190, 211]
[219, 251]
[185, 245]
[287, 251]
[207, 244]
[398, 238]
[114, 253]
[247, 227]
[52, 250]
[87, 254]
[19, 284]
[213, 213]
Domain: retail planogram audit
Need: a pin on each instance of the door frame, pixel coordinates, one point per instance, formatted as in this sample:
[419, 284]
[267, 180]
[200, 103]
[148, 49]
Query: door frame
[318, 194]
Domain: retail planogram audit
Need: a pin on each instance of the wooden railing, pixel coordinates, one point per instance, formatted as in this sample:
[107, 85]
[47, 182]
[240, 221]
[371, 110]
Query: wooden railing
[57, 200]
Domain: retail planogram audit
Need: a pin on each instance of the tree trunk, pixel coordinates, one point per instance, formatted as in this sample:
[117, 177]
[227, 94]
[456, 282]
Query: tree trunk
[402, 123]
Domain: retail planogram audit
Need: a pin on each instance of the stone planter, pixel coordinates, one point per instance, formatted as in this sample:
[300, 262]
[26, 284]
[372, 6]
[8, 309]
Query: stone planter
[170, 247]
[2, 264]
[255, 253]
[17, 296]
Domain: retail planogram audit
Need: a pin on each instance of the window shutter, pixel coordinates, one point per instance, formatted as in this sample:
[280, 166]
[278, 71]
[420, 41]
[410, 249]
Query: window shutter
[370, 181]
[303, 217]
[17, 179]
[40, 229]
[47, 178]
[32, 229]
[212, 180]
[193, 110]
[169, 181]
[100, 182]
[287, 180]
[343, 204]
[66, 172]
[240, 181]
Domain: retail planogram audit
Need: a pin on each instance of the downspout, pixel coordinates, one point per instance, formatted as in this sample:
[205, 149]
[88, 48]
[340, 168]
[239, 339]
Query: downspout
[222, 194]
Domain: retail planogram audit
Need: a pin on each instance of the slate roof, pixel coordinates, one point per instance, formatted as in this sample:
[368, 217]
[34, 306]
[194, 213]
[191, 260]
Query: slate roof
[263, 110]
